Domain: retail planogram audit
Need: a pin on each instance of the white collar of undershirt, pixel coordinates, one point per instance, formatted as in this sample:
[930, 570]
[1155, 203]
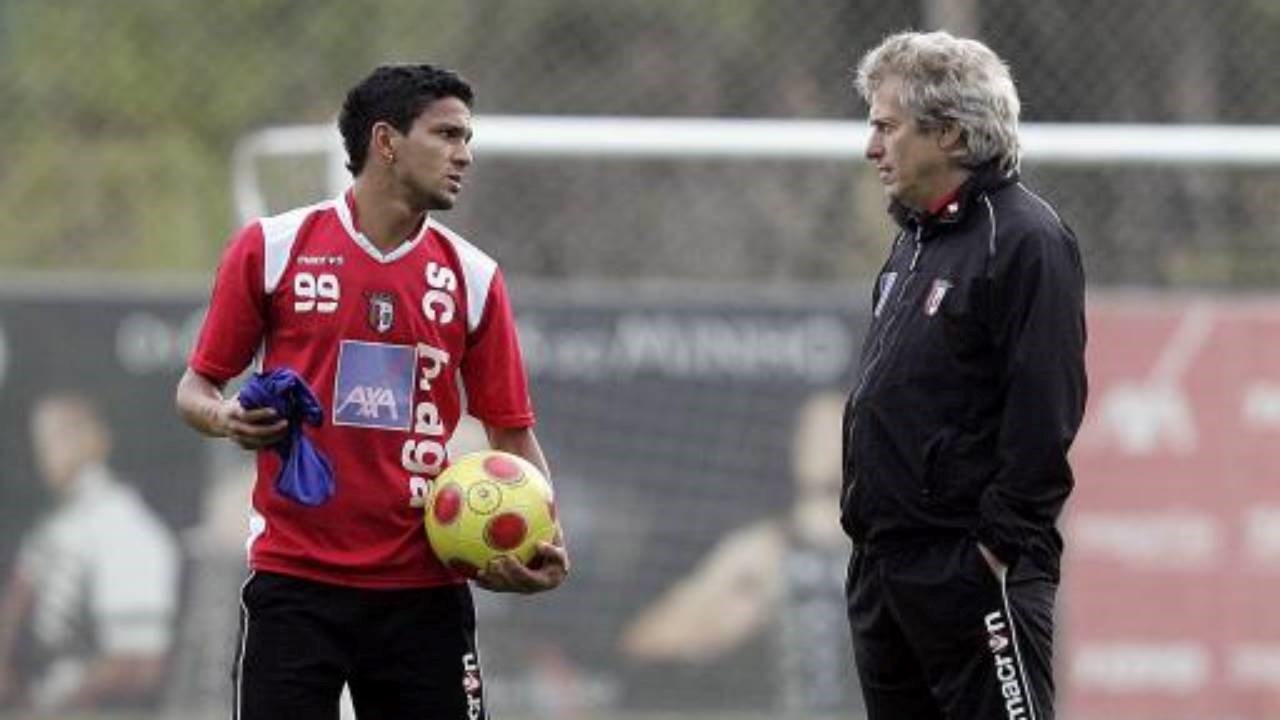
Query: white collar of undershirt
[349, 224]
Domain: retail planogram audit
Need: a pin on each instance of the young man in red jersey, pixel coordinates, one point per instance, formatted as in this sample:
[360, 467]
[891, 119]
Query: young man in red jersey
[389, 318]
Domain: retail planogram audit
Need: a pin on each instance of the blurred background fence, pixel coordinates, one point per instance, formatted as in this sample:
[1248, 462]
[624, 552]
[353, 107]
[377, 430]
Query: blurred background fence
[670, 413]
[120, 117]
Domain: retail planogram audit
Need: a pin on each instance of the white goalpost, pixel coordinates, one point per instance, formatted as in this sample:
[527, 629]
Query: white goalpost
[761, 139]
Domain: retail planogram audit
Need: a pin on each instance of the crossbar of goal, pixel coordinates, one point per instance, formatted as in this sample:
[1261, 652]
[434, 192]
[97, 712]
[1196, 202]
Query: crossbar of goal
[656, 138]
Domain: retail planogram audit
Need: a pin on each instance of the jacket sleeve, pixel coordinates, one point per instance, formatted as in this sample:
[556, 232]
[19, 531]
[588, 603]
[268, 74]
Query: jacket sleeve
[1039, 328]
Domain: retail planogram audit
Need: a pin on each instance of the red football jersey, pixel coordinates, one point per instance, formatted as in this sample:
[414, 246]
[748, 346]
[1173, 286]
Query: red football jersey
[387, 342]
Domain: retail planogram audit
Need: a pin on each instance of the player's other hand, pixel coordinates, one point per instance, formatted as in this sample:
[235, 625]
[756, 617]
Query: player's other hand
[548, 568]
[250, 429]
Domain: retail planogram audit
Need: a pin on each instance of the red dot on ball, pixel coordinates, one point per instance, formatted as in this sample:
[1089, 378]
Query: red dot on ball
[502, 469]
[447, 505]
[505, 532]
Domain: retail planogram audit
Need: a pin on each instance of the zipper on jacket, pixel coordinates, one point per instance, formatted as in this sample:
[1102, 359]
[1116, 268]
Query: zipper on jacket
[890, 324]
[882, 340]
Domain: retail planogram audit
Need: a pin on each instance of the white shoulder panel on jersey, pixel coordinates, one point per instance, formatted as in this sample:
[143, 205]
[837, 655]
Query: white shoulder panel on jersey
[278, 235]
[478, 270]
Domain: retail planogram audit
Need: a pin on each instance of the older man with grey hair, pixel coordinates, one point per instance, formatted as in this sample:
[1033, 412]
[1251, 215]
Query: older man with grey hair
[971, 390]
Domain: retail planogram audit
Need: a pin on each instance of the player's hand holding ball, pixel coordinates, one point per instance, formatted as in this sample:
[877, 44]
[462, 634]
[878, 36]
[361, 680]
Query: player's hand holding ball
[548, 568]
[492, 518]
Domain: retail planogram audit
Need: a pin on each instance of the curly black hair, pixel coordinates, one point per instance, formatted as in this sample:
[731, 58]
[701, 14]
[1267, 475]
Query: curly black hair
[395, 94]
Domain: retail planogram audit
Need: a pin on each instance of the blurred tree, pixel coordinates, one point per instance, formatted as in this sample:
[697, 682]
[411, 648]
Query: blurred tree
[120, 117]
[123, 116]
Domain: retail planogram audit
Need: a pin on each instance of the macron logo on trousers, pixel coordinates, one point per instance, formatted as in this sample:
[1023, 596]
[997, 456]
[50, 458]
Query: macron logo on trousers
[999, 639]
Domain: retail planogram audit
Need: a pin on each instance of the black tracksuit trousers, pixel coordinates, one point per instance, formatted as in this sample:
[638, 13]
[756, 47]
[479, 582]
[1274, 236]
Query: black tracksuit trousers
[938, 636]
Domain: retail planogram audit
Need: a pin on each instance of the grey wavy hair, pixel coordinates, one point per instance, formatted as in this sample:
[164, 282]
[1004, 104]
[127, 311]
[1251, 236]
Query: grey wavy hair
[945, 80]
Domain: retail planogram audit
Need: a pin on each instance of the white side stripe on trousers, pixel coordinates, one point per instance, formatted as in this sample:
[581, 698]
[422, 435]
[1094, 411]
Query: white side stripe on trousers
[1017, 651]
[244, 639]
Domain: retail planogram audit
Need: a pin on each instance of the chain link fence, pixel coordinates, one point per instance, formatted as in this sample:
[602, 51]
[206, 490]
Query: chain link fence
[120, 118]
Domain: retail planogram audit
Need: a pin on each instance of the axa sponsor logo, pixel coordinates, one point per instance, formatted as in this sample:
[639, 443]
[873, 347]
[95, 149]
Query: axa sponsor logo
[374, 385]
[370, 401]
[1002, 652]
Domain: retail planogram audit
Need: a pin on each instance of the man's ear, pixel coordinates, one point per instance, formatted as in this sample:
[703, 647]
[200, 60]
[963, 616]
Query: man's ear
[951, 139]
[382, 140]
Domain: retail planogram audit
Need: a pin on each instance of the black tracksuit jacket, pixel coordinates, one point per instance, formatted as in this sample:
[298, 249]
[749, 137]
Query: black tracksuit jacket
[972, 381]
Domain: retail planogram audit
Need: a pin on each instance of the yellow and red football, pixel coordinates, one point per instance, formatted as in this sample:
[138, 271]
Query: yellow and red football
[487, 504]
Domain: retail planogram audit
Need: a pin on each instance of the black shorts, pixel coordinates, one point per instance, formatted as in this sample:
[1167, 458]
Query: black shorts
[403, 653]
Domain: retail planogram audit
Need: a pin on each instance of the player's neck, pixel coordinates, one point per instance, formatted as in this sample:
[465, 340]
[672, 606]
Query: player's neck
[382, 216]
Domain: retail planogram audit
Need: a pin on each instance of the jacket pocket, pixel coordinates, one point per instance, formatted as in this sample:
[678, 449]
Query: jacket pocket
[964, 472]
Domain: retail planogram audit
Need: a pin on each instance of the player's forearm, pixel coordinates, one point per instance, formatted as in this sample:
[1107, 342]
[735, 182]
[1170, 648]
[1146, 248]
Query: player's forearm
[198, 401]
[519, 441]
